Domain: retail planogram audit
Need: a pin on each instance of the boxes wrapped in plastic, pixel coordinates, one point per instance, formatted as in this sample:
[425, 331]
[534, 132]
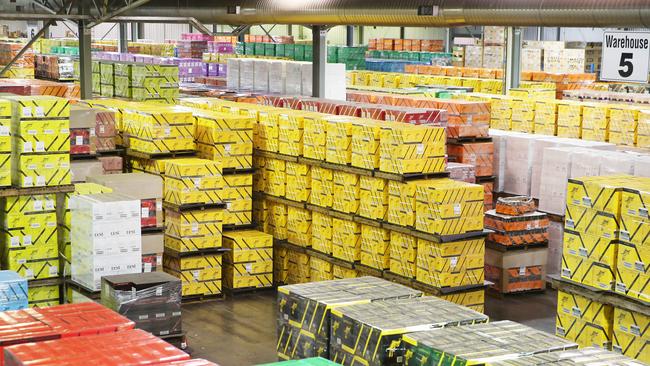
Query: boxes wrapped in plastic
[151, 300]
[277, 77]
[246, 74]
[261, 75]
[233, 73]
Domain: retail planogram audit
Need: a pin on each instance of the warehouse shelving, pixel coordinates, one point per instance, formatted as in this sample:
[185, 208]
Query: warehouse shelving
[15, 191]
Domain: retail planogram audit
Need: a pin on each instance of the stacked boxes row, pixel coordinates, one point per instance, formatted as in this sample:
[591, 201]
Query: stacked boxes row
[40, 135]
[137, 81]
[379, 80]
[248, 263]
[14, 294]
[516, 225]
[304, 311]
[193, 224]
[91, 130]
[158, 129]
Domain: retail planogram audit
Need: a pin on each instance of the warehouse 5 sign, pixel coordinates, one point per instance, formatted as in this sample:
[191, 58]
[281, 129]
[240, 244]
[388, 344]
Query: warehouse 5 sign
[625, 56]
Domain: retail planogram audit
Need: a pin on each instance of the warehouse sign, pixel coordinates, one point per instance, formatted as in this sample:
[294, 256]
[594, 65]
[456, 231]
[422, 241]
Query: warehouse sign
[625, 56]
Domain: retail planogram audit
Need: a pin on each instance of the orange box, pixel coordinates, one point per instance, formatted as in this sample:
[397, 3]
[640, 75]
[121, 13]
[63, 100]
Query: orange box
[411, 69]
[514, 271]
[528, 221]
[479, 154]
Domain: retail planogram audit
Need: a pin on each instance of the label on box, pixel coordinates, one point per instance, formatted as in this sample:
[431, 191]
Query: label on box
[40, 180]
[159, 259]
[27, 111]
[145, 211]
[29, 274]
[143, 316]
[159, 206]
[419, 148]
[164, 332]
[168, 131]
[196, 275]
[49, 166]
[522, 270]
[147, 267]
[38, 205]
[78, 140]
[639, 266]
[38, 111]
[40, 146]
[197, 182]
[195, 227]
[634, 329]
[28, 181]
[249, 267]
[48, 131]
[27, 146]
[35, 225]
[583, 252]
[159, 291]
[92, 131]
[569, 223]
[4, 130]
[160, 315]
[49, 204]
[226, 147]
[21, 261]
[586, 201]
[457, 209]
[14, 242]
[453, 261]
[54, 270]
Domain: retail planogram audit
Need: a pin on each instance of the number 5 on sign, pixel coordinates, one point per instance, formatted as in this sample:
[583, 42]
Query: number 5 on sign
[626, 56]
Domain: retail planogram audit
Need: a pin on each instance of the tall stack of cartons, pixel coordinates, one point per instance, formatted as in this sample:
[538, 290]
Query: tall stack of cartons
[248, 263]
[193, 224]
[623, 125]
[569, 119]
[40, 130]
[584, 321]
[107, 79]
[494, 47]
[157, 82]
[301, 336]
[105, 238]
[5, 142]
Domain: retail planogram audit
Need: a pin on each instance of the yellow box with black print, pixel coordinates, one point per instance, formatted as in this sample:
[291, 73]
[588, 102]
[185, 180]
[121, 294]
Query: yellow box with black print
[315, 137]
[631, 335]
[340, 272]
[403, 254]
[180, 197]
[473, 299]
[298, 182]
[39, 295]
[275, 177]
[409, 148]
[584, 321]
[321, 232]
[583, 270]
[632, 284]
[235, 156]
[345, 192]
[40, 170]
[401, 202]
[30, 230]
[346, 240]
[192, 243]
[291, 132]
[33, 262]
[339, 139]
[41, 136]
[321, 270]
[161, 145]
[233, 280]
[5, 169]
[200, 275]
[322, 187]
[33, 107]
[373, 198]
[194, 223]
[192, 168]
[299, 224]
[460, 256]
[365, 143]
[592, 247]
[375, 247]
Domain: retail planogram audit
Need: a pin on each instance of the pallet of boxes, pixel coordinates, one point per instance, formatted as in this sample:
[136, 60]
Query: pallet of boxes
[35, 157]
[517, 248]
[603, 293]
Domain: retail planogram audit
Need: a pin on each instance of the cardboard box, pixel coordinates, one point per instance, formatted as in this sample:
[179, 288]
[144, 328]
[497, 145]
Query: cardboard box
[516, 270]
[584, 321]
[321, 231]
[451, 264]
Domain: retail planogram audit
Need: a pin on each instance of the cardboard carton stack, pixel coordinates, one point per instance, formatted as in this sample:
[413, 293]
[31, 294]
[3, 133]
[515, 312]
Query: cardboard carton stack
[588, 323]
[193, 224]
[105, 238]
[302, 336]
[151, 300]
[14, 291]
[248, 263]
[384, 323]
[158, 129]
[516, 225]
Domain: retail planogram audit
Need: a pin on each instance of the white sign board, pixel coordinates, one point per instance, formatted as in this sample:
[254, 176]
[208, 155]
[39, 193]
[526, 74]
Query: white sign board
[625, 56]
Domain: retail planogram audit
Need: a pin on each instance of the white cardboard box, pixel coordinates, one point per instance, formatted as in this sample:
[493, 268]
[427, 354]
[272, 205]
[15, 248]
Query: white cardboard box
[261, 75]
[278, 77]
[232, 73]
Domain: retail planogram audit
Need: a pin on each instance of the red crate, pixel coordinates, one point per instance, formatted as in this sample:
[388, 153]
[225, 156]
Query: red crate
[127, 348]
[196, 362]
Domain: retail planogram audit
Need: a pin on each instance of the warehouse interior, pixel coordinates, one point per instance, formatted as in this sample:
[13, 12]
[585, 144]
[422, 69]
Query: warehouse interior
[324, 182]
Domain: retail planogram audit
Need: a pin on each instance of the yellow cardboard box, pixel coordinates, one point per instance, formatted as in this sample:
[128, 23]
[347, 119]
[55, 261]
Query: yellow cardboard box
[321, 232]
[373, 198]
[299, 224]
[346, 240]
[322, 186]
[345, 194]
[403, 254]
[375, 247]
[298, 177]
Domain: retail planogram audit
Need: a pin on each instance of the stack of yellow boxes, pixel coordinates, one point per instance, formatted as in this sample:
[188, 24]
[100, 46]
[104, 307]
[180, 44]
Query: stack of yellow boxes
[546, 117]
[40, 129]
[500, 110]
[584, 321]
[449, 207]
[406, 149]
[365, 143]
[193, 224]
[523, 114]
[321, 232]
[275, 177]
[268, 130]
[346, 240]
[451, 264]
[623, 125]
[643, 130]
[338, 130]
[280, 265]
[5, 143]
[292, 125]
[633, 255]
[403, 254]
[298, 267]
[322, 186]
[298, 182]
[237, 194]
[321, 270]
[631, 334]
[375, 247]
[29, 236]
[276, 222]
[569, 119]
[156, 129]
[373, 198]
[595, 121]
[340, 273]
[299, 224]
[248, 263]
[592, 229]
[345, 192]
[401, 202]
[225, 137]
[314, 137]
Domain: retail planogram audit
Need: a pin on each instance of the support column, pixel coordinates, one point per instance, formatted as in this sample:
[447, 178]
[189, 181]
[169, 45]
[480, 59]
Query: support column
[402, 32]
[85, 56]
[349, 35]
[134, 31]
[513, 59]
[289, 29]
[448, 40]
[124, 39]
[319, 42]
[214, 28]
[141, 30]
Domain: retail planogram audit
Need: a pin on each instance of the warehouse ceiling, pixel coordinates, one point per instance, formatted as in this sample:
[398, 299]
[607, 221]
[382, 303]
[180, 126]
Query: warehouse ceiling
[437, 13]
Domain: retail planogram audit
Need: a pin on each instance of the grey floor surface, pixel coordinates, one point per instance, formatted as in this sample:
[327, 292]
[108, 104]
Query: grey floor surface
[240, 331]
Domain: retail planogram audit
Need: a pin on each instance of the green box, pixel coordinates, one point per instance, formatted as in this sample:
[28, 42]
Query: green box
[249, 48]
[299, 52]
[240, 48]
[309, 52]
[280, 49]
[260, 49]
[269, 49]
[290, 51]
[333, 54]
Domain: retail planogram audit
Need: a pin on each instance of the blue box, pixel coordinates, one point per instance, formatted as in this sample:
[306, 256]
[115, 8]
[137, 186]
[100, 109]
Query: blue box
[13, 291]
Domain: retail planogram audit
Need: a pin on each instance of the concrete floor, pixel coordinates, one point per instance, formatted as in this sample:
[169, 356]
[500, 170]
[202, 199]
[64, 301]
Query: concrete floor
[240, 331]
